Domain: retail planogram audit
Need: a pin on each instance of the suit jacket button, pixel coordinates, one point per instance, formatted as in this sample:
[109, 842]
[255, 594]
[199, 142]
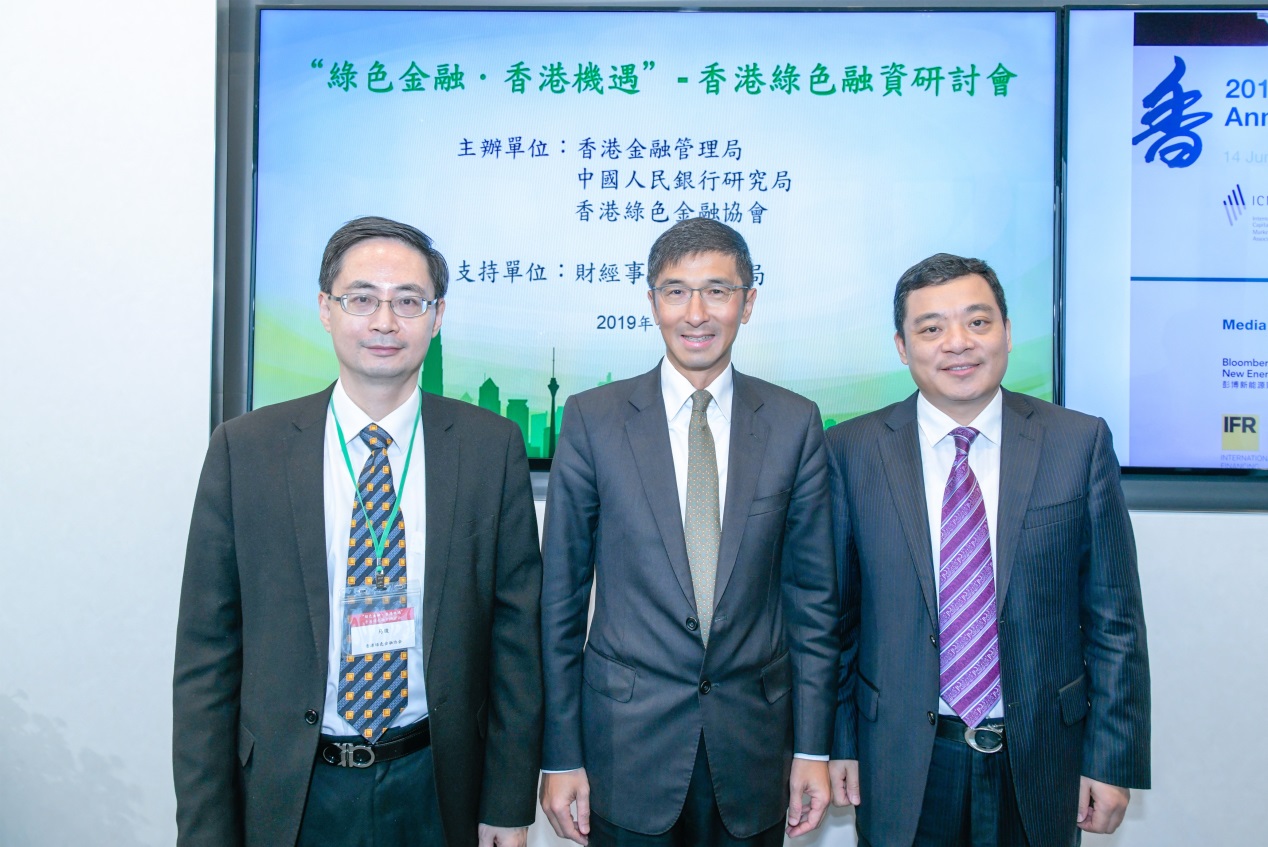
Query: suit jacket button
[933, 719]
[933, 639]
[693, 624]
[310, 717]
[706, 687]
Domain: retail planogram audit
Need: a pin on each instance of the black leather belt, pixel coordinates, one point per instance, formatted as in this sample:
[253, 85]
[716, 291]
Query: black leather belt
[351, 751]
[986, 737]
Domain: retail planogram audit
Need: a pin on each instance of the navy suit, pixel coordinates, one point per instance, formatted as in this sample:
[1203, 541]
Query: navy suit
[1071, 627]
[632, 702]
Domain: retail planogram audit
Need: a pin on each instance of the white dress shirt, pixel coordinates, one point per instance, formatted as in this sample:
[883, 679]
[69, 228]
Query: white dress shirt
[338, 489]
[937, 455]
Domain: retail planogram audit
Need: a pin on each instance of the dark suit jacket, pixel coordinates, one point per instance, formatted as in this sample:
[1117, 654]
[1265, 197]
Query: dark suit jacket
[632, 708]
[1074, 667]
[251, 649]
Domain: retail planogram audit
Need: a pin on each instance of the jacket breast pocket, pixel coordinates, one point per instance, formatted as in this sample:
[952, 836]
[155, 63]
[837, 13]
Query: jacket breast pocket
[608, 676]
[777, 678]
[1056, 513]
[771, 503]
[1073, 699]
[867, 698]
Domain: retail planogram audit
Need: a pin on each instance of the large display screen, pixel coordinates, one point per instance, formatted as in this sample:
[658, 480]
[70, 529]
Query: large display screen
[544, 151]
[1166, 307]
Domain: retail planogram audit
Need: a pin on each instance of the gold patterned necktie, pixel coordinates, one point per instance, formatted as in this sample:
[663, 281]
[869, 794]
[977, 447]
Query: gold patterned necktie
[373, 689]
[702, 524]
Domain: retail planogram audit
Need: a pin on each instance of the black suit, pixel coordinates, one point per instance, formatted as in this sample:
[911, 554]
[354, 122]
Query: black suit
[631, 703]
[251, 652]
[1071, 628]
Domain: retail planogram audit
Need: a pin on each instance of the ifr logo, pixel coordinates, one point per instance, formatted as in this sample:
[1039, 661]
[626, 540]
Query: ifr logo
[1241, 432]
[1234, 204]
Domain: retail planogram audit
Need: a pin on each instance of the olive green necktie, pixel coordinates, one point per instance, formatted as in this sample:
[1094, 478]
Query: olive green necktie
[702, 525]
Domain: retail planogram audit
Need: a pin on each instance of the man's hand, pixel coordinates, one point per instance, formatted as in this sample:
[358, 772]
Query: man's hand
[844, 776]
[808, 797]
[1101, 806]
[503, 836]
[559, 792]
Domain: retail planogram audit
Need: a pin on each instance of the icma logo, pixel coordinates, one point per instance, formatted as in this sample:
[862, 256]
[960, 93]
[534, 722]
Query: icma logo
[1234, 204]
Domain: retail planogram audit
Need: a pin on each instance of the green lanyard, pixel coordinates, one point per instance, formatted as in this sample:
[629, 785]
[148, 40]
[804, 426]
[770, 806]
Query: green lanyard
[379, 541]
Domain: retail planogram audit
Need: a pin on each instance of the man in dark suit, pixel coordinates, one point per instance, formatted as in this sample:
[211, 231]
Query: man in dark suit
[994, 677]
[696, 500]
[358, 655]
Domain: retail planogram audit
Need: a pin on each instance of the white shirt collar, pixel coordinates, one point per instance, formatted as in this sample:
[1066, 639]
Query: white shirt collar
[936, 424]
[677, 391]
[399, 423]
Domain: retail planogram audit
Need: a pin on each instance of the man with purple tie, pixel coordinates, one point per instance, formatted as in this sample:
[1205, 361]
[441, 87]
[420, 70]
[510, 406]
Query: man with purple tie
[994, 681]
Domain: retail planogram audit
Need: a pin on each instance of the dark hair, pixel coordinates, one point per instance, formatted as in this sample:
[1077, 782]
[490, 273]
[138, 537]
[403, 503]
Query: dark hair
[693, 236]
[363, 229]
[938, 269]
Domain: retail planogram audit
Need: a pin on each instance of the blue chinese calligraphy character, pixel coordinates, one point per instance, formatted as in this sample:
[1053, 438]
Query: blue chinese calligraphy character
[1178, 145]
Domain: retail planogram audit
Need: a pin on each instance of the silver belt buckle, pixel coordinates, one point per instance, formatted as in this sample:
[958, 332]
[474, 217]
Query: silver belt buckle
[350, 755]
[993, 741]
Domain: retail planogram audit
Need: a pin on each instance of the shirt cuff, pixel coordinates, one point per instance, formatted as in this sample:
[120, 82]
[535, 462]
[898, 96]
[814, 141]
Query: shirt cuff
[570, 770]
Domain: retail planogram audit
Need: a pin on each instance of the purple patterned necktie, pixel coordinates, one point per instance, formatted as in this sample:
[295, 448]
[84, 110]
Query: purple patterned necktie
[969, 672]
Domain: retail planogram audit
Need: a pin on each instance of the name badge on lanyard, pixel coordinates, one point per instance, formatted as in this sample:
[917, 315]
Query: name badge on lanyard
[382, 616]
[392, 629]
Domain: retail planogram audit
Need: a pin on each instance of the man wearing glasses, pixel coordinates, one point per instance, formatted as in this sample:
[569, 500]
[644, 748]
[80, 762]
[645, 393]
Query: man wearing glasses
[358, 656]
[695, 498]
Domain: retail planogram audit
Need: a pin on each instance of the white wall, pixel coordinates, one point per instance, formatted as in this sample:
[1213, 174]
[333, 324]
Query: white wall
[106, 159]
[1205, 581]
[107, 127]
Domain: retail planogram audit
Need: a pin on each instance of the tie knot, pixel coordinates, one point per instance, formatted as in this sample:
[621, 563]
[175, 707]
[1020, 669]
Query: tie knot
[375, 437]
[963, 436]
[700, 402]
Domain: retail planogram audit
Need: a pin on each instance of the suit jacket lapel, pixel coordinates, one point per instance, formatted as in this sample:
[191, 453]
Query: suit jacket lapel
[442, 448]
[748, 449]
[648, 432]
[1022, 440]
[305, 459]
[900, 454]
